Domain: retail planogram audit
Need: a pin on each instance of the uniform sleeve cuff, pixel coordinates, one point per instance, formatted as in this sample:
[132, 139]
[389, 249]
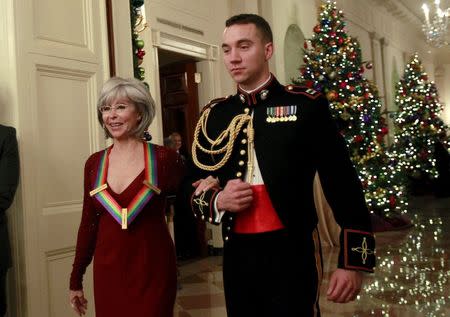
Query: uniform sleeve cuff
[218, 214]
[357, 250]
[203, 205]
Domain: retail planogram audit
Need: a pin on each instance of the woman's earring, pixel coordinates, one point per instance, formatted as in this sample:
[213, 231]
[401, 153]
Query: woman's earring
[147, 136]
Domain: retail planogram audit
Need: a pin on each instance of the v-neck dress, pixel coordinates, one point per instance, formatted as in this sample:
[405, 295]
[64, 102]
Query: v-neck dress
[134, 269]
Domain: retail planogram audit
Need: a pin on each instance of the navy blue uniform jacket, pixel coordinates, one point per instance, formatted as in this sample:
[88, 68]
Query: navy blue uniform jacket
[289, 153]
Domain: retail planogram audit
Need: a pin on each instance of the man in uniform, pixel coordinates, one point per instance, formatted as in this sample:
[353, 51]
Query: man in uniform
[255, 155]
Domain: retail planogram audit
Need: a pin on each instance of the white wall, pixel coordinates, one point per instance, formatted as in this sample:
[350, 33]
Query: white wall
[443, 83]
[282, 14]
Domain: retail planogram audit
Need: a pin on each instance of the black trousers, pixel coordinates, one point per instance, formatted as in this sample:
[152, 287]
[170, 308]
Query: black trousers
[3, 291]
[267, 275]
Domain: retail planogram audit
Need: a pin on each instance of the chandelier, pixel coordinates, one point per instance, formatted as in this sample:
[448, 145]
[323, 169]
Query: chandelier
[435, 27]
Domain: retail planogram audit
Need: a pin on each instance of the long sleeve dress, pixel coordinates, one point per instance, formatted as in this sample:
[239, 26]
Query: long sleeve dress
[134, 269]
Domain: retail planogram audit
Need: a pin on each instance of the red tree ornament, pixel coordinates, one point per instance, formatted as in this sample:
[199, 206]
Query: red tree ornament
[392, 201]
[332, 95]
[423, 155]
[309, 83]
[140, 53]
[380, 138]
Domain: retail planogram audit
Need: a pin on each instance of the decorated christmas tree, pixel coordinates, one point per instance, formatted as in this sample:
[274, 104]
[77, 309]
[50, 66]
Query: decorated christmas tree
[334, 66]
[418, 128]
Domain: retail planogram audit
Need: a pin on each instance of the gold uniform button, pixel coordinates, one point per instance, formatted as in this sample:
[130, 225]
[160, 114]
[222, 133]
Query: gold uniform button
[246, 110]
[245, 130]
[244, 141]
[238, 174]
[242, 152]
[289, 87]
[241, 163]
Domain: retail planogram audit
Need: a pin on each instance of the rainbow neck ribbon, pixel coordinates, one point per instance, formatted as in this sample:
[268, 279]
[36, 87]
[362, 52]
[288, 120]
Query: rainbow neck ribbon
[125, 216]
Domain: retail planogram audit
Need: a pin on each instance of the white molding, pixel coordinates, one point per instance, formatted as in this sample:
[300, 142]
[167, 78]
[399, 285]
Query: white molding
[62, 207]
[184, 45]
[399, 10]
[122, 38]
[201, 51]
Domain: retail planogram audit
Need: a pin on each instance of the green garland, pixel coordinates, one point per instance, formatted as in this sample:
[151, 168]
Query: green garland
[136, 18]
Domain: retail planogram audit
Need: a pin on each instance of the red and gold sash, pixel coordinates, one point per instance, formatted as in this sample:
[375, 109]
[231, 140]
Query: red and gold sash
[125, 216]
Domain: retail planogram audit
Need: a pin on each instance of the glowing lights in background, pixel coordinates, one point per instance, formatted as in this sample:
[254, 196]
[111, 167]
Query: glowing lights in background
[417, 123]
[334, 66]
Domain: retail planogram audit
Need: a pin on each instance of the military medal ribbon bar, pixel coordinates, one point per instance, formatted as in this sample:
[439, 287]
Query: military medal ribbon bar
[281, 114]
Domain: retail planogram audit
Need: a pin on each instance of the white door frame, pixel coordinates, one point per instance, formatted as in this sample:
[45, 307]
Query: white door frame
[207, 66]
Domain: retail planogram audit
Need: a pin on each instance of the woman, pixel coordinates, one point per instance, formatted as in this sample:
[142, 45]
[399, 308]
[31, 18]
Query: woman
[123, 224]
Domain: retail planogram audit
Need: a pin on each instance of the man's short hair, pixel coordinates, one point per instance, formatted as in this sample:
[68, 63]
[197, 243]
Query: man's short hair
[261, 24]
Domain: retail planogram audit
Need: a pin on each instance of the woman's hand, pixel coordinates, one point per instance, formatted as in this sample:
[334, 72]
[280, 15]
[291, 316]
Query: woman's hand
[78, 302]
[203, 185]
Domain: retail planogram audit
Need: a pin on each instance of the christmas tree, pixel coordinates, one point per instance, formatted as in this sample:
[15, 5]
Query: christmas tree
[418, 127]
[334, 66]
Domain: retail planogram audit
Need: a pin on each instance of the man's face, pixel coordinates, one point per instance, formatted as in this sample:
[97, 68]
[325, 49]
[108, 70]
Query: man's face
[177, 142]
[246, 55]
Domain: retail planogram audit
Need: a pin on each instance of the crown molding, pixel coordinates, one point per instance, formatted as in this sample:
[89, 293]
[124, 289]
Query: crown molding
[402, 11]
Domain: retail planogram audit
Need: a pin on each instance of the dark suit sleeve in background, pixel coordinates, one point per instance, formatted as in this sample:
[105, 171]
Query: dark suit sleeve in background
[9, 168]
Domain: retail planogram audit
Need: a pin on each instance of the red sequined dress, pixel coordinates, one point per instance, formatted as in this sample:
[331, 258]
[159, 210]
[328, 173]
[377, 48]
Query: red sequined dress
[134, 269]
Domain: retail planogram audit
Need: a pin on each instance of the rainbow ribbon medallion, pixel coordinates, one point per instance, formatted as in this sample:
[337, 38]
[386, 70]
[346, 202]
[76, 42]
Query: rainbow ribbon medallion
[125, 216]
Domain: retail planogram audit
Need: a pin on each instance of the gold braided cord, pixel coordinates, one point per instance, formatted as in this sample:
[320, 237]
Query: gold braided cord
[230, 133]
[250, 147]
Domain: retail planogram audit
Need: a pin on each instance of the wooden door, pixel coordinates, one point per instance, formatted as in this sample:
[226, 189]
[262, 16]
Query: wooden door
[179, 101]
[61, 63]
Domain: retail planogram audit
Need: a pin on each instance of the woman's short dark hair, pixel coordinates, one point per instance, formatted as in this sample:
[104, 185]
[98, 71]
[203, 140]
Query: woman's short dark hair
[247, 18]
[137, 93]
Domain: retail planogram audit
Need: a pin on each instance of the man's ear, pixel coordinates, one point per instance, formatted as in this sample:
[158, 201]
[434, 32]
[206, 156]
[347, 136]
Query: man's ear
[268, 50]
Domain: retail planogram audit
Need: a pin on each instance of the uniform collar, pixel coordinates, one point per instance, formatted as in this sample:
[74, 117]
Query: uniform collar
[259, 94]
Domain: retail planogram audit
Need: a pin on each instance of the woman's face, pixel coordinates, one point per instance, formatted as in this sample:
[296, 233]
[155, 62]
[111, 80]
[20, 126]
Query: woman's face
[120, 118]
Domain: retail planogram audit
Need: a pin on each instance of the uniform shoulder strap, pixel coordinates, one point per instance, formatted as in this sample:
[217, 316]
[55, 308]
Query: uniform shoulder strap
[303, 90]
[214, 102]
